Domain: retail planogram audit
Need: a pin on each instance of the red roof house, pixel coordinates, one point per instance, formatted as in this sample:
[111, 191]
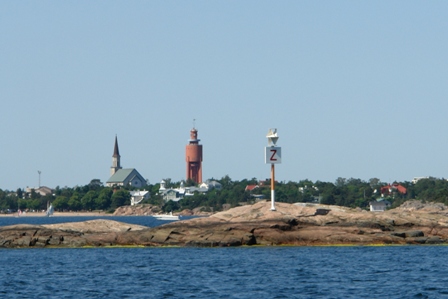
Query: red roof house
[389, 189]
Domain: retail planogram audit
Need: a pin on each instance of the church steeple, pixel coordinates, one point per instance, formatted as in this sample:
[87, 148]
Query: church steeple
[116, 151]
[115, 159]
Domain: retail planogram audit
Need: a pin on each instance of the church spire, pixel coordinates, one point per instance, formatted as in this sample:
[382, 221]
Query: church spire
[116, 151]
[115, 159]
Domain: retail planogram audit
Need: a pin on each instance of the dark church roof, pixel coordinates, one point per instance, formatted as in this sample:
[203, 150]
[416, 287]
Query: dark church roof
[116, 152]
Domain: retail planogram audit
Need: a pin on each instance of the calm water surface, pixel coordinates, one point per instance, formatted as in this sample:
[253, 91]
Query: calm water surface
[244, 272]
[249, 272]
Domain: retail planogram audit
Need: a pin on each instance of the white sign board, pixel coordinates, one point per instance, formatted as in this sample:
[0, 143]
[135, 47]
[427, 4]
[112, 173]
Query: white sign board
[272, 155]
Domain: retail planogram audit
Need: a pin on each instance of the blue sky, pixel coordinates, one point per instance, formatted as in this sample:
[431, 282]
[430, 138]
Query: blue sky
[355, 88]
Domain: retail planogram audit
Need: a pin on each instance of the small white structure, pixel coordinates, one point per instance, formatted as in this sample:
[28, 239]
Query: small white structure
[379, 206]
[210, 185]
[138, 196]
[416, 179]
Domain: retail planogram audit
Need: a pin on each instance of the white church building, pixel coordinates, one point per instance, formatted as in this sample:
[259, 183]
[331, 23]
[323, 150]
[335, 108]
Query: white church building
[123, 176]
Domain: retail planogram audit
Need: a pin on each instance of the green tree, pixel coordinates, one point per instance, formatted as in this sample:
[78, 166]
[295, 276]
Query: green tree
[95, 184]
[19, 193]
[74, 203]
[60, 203]
[190, 182]
[226, 181]
[103, 201]
[170, 206]
[120, 198]
[340, 182]
[34, 194]
[22, 203]
[34, 204]
[374, 183]
[8, 201]
[168, 183]
[88, 200]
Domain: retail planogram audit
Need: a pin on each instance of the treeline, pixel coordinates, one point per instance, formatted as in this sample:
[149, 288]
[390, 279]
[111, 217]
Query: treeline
[344, 192]
[86, 198]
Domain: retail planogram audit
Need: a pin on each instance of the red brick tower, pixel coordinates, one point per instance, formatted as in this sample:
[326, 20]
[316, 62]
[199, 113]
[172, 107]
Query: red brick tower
[193, 156]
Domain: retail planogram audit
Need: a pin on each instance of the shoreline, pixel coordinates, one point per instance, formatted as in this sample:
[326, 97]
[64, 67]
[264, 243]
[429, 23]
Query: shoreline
[59, 214]
[251, 225]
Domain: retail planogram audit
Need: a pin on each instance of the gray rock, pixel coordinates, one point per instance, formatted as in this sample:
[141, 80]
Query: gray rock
[417, 240]
[398, 234]
[414, 234]
[434, 240]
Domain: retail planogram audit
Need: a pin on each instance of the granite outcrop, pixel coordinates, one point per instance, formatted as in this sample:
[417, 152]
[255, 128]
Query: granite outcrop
[298, 224]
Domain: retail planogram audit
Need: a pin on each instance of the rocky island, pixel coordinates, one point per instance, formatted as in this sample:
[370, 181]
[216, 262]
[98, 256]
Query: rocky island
[297, 224]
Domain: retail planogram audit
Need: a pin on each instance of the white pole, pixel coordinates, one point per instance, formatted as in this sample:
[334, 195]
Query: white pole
[272, 187]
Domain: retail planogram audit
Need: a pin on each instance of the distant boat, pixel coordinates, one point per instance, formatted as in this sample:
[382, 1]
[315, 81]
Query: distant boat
[50, 210]
[169, 216]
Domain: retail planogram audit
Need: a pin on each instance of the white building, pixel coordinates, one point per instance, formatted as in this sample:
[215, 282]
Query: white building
[210, 185]
[126, 177]
[43, 190]
[379, 206]
[123, 177]
[416, 179]
[138, 196]
[176, 194]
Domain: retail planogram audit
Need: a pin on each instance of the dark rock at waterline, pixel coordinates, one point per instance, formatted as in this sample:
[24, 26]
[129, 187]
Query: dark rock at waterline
[434, 240]
[408, 234]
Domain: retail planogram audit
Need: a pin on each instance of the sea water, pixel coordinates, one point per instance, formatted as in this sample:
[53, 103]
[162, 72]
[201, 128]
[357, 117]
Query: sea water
[140, 220]
[242, 272]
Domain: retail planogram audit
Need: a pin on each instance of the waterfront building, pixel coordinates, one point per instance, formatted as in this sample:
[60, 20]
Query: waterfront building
[210, 185]
[138, 196]
[379, 205]
[392, 189]
[176, 194]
